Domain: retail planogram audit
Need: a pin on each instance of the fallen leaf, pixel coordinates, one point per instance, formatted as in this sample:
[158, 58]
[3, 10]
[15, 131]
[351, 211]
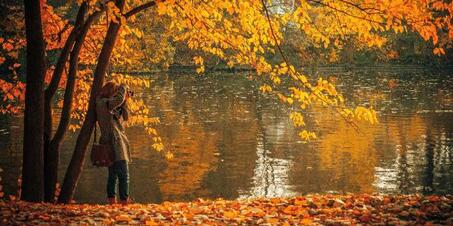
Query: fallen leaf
[306, 221]
[123, 217]
[230, 214]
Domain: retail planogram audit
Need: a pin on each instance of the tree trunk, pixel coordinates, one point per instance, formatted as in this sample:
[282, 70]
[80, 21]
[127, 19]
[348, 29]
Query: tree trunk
[77, 161]
[50, 157]
[54, 147]
[58, 72]
[33, 158]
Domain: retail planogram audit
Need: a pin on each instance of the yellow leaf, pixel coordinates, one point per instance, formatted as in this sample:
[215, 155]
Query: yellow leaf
[151, 223]
[230, 214]
[306, 221]
[273, 220]
[169, 156]
[290, 100]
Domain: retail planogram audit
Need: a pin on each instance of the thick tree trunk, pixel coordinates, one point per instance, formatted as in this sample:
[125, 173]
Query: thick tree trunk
[75, 166]
[54, 147]
[33, 158]
[50, 157]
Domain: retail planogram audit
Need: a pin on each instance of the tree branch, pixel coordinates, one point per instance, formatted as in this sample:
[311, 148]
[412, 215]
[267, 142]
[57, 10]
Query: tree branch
[64, 55]
[345, 12]
[73, 67]
[139, 9]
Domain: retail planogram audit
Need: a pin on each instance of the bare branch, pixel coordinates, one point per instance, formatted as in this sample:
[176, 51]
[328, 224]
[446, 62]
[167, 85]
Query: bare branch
[345, 12]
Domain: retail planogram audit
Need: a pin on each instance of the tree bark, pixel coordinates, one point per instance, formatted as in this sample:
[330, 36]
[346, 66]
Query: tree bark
[50, 157]
[33, 158]
[55, 143]
[77, 161]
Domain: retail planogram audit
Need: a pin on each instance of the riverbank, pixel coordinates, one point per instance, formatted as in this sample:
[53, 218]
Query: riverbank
[310, 69]
[305, 210]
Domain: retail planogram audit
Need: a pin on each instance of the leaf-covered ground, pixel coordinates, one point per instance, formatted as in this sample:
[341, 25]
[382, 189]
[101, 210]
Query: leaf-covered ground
[306, 210]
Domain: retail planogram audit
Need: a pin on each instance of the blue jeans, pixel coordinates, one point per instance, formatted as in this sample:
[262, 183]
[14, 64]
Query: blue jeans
[120, 170]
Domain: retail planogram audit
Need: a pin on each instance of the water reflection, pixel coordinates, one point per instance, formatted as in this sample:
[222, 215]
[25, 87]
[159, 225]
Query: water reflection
[230, 141]
[270, 178]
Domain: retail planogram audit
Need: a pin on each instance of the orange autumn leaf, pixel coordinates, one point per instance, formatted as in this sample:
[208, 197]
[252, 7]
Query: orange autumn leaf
[151, 223]
[7, 46]
[306, 221]
[230, 214]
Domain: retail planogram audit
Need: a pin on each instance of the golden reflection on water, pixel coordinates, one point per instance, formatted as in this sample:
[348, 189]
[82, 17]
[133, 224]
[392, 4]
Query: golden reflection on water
[194, 156]
[350, 155]
[229, 141]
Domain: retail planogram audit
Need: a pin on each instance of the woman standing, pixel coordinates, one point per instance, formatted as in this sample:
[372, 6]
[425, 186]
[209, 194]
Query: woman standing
[112, 111]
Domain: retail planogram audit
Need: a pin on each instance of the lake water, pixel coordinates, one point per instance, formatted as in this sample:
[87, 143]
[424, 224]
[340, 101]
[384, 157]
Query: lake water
[231, 141]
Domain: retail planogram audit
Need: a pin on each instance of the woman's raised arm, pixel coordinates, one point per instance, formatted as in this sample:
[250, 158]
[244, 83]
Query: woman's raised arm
[118, 99]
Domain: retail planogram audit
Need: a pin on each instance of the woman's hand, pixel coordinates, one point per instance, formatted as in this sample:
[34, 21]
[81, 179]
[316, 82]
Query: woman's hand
[129, 93]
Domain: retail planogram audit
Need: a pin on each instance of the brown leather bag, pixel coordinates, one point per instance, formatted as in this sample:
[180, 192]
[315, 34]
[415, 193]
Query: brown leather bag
[102, 155]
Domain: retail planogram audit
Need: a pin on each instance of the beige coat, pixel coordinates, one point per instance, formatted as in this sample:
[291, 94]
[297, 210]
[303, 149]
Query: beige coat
[111, 114]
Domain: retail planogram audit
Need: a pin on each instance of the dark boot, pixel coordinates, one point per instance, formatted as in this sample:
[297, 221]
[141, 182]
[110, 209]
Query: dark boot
[112, 201]
[127, 201]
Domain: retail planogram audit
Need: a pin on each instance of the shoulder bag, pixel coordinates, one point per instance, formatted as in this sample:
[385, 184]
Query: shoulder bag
[101, 154]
